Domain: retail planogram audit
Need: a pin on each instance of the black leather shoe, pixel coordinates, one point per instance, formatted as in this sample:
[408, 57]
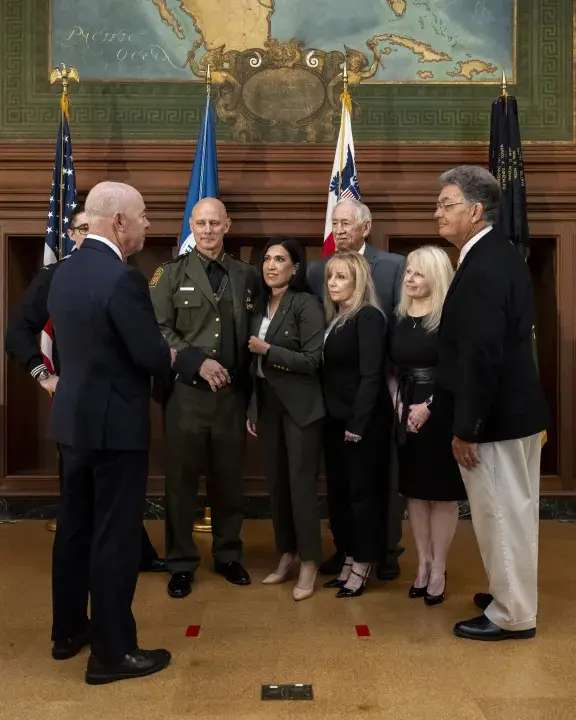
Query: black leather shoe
[233, 572]
[136, 664]
[388, 569]
[482, 600]
[180, 584]
[480, 628]
[334, 584]
[332, 566]
[416, 592]
[156, 565]
[69, 648]
[437, 599]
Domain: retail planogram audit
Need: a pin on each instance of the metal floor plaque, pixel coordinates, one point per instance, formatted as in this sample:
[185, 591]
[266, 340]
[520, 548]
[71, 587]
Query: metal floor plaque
[287, 692]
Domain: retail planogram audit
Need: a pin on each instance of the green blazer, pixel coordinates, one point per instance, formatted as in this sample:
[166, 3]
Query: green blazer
[296, 338]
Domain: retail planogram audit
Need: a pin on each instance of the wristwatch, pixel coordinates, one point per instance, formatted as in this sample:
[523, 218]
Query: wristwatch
[43, 375]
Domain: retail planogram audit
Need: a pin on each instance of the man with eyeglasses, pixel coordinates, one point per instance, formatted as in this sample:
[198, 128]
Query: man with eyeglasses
[27, 322]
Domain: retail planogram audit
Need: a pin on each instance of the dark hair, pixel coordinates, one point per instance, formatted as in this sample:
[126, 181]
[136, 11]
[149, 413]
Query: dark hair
[298, 281]
[74, 214]
[477, 185]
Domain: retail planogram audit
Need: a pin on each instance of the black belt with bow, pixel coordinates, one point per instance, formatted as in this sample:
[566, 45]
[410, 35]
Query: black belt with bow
[407, 380]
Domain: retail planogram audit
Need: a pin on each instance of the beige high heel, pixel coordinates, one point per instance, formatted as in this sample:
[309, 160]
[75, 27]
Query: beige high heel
[278, 578]
[300, 593]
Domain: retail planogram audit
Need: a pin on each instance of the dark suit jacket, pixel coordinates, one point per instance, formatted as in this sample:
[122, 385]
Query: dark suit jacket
[29, 319]
[387, 273]
[487, 380]
[353, 370]
[110, 346]
[296, 337]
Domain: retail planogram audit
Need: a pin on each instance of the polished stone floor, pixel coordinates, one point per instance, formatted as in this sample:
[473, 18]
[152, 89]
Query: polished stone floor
[409, 667]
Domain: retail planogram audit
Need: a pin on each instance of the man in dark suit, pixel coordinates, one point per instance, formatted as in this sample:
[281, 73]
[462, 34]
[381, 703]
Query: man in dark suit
[487, 385]
[110, 346]
[351, 226]
[203, 301]
[27, 322]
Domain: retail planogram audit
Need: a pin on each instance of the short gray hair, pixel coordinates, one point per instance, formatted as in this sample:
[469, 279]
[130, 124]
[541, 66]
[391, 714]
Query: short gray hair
[363, 213]
[477, 185]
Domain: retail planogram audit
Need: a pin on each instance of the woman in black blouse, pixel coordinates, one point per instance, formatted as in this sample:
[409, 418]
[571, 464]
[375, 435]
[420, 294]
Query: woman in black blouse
[358, 415]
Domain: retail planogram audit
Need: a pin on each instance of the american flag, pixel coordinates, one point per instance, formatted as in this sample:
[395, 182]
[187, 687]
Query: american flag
[344, 180]
[57, 244]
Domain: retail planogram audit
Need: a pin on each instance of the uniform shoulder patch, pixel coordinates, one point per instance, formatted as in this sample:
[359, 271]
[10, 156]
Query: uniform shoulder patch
[157, 275]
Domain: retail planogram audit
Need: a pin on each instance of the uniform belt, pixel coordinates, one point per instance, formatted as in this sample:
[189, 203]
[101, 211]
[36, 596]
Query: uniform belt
[200, 384]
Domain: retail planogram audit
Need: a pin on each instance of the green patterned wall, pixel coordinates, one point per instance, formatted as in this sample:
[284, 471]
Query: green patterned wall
[406, 113]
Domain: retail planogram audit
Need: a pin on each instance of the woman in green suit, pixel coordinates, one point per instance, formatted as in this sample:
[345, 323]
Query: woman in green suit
[287, 408]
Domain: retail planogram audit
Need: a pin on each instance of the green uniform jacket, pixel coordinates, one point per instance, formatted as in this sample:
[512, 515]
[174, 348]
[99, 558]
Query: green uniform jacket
[188, 313]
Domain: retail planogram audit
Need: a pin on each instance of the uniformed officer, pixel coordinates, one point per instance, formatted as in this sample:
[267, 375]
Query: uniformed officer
[27, 322]
[203, 301]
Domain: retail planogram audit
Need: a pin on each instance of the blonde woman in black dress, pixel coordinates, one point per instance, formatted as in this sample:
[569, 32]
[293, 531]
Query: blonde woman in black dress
[428, 473]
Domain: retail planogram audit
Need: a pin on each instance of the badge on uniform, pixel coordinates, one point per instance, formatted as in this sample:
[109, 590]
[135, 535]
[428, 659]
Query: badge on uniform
[157, 275]
[249, 303]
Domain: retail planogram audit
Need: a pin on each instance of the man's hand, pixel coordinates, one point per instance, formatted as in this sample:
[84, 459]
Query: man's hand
[251, 427]
[351, 437]
[257, 346]
[466, 453]
[50, 384]
[173, 353]
[214, 374]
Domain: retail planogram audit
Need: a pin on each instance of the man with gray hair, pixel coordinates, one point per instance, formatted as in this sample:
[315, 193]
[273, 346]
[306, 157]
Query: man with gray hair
[109, 346]
[351, 226]
[487, 386]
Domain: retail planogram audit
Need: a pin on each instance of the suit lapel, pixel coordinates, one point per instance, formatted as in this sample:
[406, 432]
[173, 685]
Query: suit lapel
[279, 315]
[370, 255]
[195, 271]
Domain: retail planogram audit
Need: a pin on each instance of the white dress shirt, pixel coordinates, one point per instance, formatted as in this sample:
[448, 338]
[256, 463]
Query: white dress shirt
[107, 242]
[262, 335]
[470, 244]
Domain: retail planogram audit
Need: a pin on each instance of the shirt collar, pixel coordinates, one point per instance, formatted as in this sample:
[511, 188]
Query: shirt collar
[362, 249]
[108, 243]
[470, 244]
[206, 260]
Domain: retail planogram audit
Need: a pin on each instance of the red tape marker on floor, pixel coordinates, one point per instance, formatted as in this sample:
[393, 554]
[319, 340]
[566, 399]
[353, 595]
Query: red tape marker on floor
[192, 630]
[362, 631]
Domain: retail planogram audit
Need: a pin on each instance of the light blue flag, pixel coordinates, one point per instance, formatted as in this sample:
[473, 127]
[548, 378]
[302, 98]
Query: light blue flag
[204, 178]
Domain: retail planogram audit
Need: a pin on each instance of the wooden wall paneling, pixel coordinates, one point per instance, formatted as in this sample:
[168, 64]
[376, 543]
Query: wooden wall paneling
[282, 190]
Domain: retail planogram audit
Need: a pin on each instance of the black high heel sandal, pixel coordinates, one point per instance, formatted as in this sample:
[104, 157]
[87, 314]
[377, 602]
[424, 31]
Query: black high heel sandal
[437, 599]
[345, 592]
[335, 583]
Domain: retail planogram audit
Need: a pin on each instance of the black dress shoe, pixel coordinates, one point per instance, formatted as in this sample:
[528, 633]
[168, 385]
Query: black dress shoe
[416, 592]
[482, 600]
[156, 565]
[136, 664]
[180, 584]
[388, 569]
[345, 592]
[436, 599]
[332, 566]
[233, 572]
[334, 584]
[69, 648]
[480, 628]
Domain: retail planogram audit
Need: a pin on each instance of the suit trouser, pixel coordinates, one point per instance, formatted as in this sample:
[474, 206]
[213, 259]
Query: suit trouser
[504, 501]
[98, 546]
[205, 433]
[393, 506]
[356, 479]
[291, 457]
[149, 554]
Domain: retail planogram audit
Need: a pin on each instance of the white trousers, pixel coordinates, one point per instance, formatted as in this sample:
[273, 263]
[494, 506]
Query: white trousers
[504, 495]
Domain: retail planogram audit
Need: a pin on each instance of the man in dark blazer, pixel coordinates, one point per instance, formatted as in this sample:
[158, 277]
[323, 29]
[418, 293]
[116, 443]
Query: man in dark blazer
[351, 225]
[24, 326]
[487, 385]
[110, 346]
[203, 301]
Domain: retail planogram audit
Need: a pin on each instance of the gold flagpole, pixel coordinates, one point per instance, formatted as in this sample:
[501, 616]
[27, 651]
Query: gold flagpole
[344, 98]
[205, 525]
[63, 75]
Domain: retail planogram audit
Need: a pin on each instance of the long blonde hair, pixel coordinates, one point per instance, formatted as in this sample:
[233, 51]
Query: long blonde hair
[435, 266]
[364, 293]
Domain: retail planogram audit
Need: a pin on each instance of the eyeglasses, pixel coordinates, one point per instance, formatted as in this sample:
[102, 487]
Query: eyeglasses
[82, 229]
[444, 205]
